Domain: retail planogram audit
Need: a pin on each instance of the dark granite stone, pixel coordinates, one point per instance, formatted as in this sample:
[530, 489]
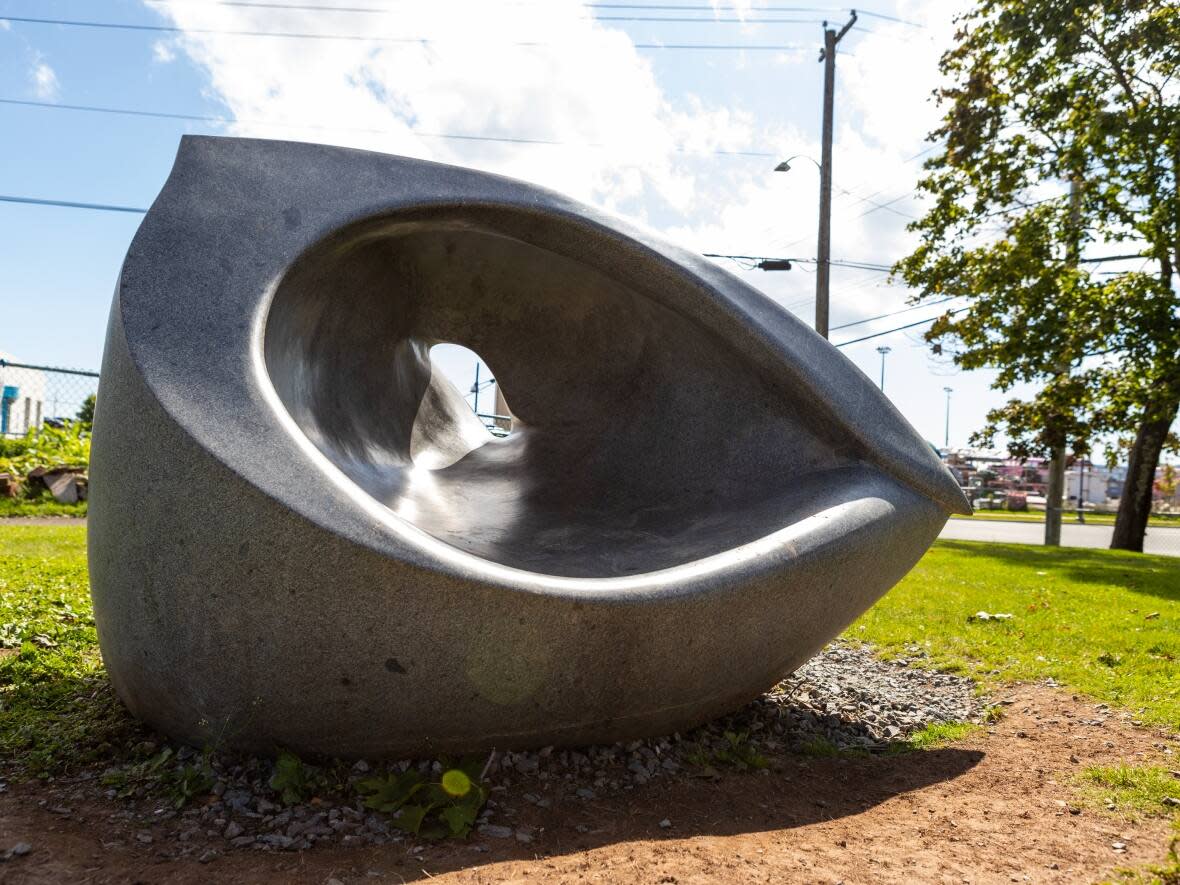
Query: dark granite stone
[300, 536]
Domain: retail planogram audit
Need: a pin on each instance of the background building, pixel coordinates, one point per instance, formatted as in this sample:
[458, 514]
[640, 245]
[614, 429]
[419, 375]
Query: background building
[22, 397]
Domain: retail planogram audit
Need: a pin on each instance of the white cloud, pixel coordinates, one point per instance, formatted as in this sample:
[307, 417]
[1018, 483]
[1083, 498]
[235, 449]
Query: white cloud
[163, 51]
[582, 84]
[44, 80]
[629, 138]
[586, 84]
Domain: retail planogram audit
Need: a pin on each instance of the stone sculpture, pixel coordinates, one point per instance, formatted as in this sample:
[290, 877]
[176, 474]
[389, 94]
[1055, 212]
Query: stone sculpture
[301, 536]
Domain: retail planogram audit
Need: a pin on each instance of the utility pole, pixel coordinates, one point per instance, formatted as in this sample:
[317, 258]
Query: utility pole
[823, 252]
[883, 349]
[946, 439]
[1056, 491]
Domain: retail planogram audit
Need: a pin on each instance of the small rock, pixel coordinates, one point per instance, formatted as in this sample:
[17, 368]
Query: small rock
[207, 856]
[143, 837]
[495, 831]
[233, 829]
[20, 849]
[522, 836]
[585, 793]
[665, 824]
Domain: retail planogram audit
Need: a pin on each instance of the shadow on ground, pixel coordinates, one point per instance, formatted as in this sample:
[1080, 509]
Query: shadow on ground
[1137, 572]
[795, 792]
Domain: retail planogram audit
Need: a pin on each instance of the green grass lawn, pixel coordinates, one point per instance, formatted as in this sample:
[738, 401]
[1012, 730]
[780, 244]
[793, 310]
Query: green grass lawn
[55, 702]
[42, 506]
[1103, 622]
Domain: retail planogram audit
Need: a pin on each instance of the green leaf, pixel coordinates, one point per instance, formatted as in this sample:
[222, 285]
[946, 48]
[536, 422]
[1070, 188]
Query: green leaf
[410, 818]
[459, 818]
[388, 793]
[289, 779]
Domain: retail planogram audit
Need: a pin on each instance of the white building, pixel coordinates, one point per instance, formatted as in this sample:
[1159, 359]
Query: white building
[1091, 479]
[22, 397]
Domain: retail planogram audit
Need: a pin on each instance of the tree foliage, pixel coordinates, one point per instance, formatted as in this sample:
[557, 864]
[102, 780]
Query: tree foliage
[1045, 97]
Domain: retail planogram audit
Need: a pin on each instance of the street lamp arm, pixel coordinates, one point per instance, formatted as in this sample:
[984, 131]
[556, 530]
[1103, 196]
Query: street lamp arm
[785, 165]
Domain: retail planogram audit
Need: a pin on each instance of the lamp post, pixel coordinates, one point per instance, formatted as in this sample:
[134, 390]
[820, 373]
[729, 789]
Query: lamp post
[785, 165]
[822, 260]
[883, 349]
[946, 439]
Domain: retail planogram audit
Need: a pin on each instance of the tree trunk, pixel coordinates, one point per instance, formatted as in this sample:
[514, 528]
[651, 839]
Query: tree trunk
[1135, 502]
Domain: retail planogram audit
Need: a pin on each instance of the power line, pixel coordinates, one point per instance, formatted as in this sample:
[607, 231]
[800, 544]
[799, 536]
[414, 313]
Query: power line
[893, 313]
[68, 204]
[899, 328]
[887, 205]
[712, 19]
[365, 38]
[835, 262]
[316, 7]
[200, 118]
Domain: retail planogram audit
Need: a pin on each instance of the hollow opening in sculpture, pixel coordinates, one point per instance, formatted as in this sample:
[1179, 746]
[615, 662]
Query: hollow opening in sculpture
[469, 372]
[642, 439]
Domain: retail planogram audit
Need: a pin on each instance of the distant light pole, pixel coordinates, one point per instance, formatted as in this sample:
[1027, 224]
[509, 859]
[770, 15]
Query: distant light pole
[883, 349]
[946, 440]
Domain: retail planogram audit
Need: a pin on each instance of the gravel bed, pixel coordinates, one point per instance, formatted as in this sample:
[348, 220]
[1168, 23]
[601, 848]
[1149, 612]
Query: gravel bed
[845, 698]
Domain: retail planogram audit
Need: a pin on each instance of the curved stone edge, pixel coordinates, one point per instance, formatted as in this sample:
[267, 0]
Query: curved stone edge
[216, 181]
[222, 622]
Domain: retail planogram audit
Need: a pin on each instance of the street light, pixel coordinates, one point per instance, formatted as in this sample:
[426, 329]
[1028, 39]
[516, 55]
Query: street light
[883, 349]
[823, 247]
[785, 165]
[946, 440]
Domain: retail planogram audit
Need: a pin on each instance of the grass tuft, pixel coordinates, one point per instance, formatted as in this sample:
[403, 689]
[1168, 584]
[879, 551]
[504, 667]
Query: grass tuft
[938, 734]
[1133, 789]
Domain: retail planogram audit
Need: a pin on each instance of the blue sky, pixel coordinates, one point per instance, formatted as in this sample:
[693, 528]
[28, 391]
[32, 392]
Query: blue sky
[643, 133]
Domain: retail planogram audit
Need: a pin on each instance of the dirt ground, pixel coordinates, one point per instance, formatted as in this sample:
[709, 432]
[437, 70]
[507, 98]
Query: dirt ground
[1000, 807]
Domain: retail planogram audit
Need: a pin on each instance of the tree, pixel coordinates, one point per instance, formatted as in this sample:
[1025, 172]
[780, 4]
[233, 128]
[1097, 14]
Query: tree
[1061, 147]
[86, 412]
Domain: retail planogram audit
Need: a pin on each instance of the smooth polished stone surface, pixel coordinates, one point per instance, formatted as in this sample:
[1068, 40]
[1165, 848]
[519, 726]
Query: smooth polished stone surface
[301, 536]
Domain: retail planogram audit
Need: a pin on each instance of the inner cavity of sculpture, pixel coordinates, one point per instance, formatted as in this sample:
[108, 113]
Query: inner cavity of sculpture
[616, 465]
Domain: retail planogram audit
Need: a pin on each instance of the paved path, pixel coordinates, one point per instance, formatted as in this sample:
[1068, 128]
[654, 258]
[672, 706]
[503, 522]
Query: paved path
[1164, 541]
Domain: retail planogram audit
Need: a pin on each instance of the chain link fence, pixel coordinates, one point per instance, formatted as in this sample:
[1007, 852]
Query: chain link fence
[32, 395]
